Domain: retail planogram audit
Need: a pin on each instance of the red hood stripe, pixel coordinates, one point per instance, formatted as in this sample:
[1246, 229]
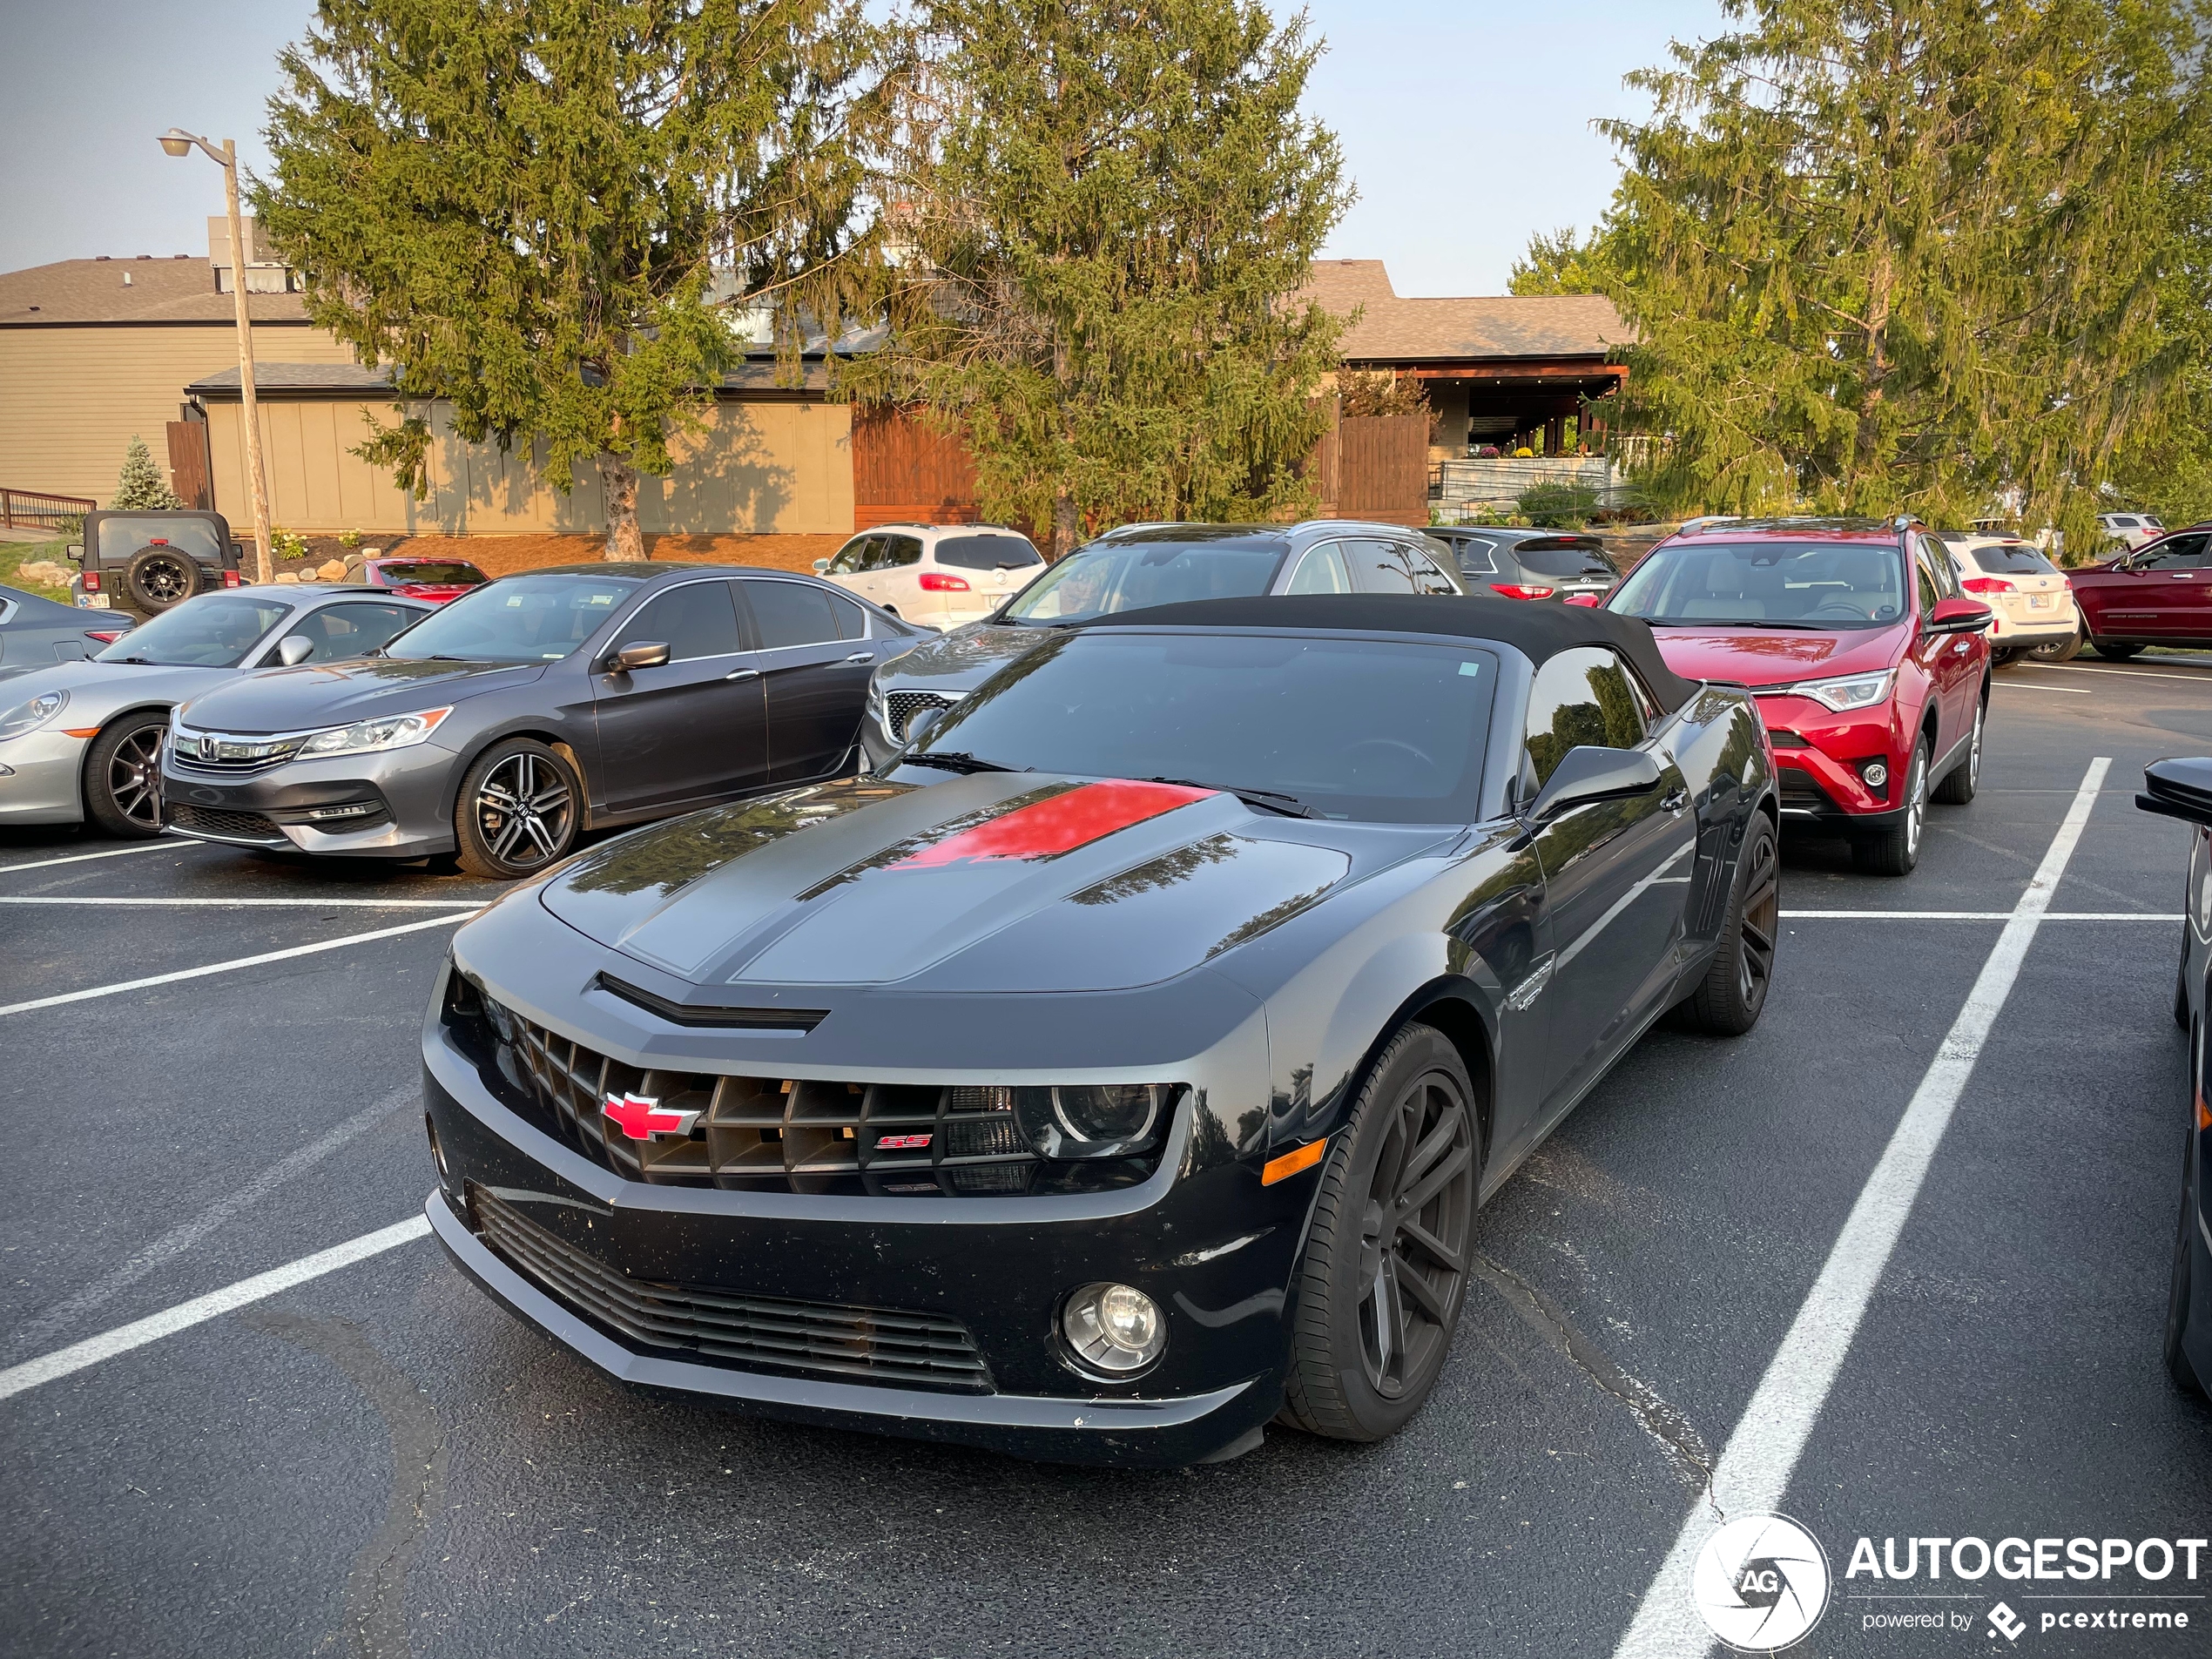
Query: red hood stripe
[1046, 828]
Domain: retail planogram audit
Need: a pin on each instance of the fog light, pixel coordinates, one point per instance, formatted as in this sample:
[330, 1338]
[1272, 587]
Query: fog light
[1876, 774]
[357, 809]
[1114, 1328]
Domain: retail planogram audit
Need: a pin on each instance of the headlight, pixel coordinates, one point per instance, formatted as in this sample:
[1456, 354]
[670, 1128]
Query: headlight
[28, 717]
[390, 731]
[1093, 1120]
[1848, 693]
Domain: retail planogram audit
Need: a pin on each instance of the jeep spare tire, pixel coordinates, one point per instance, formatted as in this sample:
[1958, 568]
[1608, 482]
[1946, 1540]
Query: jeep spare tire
[160, 577]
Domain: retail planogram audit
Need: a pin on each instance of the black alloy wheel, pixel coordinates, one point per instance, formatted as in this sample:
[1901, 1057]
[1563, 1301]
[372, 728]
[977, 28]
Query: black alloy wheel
[1386, 1265]
[122, 775]
[1728, 1003]
[1895, 848]
[519, 810]
[160, 577]
[1959, 783]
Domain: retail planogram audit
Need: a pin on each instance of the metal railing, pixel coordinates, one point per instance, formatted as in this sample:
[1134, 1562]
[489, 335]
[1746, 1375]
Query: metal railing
[34, 510]
[1467, 487]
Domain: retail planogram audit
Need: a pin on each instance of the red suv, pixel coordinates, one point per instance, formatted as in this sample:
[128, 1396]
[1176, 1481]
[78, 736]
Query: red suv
[2158, 594]
[1870, 666]
[437, 580]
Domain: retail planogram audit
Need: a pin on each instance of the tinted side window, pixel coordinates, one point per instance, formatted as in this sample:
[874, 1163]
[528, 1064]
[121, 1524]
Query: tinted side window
[899, 551]
[1581, 697]
[1378, 567]
[340, 632]
[855, 555]
[2176, 553]
[852, 620]
[1426, 577]
[1321, 571]
[1930, 594]
[1472, 554]
[695, 620]
[790, 613]
[1939, 567]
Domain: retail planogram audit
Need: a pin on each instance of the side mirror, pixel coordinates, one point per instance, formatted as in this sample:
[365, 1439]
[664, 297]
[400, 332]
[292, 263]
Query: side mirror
[820, 565]
[77, 552]
[922, 725]
[294, 648]
[2179, 789]
[1589, 773]
[649, 654]
[1959, 615]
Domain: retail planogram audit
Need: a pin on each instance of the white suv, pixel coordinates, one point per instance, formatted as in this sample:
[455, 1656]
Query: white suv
[2132, 529]
[939, 575]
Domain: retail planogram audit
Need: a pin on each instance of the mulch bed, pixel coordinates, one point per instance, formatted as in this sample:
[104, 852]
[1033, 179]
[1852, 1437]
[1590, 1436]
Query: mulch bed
[504, 555]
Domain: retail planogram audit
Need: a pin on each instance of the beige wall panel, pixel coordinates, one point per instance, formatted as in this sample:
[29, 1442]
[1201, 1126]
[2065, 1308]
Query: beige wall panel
[72, 399]
[764, 469]
[318, 461]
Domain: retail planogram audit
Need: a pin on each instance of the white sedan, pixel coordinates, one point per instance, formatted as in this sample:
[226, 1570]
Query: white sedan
[940, 575]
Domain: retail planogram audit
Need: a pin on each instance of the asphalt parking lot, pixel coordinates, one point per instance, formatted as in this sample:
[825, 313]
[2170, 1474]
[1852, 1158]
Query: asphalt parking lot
[377, 1461]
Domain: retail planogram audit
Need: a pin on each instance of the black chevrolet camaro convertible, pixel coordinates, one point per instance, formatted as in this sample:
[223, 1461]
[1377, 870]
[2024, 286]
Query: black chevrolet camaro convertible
[1120, 1070]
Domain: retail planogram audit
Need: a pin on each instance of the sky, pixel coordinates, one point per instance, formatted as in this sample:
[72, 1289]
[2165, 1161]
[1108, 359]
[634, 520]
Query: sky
[1466, 127]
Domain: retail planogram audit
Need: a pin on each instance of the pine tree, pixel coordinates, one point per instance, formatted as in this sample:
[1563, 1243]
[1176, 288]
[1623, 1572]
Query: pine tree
[1892, 254]
[540, 212]
[1111, 208]
[141, 488]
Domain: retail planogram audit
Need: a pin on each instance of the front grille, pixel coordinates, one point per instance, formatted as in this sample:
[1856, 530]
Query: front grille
[224, 756]
[820, 1338]
[904, 705]
[228, 825]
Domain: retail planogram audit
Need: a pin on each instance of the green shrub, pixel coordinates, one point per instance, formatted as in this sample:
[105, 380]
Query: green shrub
[1558, 507]
[287, 544]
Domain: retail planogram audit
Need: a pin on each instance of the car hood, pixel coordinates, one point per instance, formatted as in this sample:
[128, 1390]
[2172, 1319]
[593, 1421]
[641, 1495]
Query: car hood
[962, 659]
[97, 690]
[292, 699]
[1777, 655]
[1003, 881]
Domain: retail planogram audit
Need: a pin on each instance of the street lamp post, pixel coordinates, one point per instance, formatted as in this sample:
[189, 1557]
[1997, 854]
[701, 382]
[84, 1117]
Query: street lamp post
[178, 142]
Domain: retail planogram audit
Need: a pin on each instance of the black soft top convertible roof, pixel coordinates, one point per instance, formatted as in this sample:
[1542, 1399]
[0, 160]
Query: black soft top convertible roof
[1538, 629]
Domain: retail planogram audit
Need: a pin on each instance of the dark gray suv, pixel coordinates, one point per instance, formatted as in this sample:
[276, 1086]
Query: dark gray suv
[1530, 563]
[532, 709]
[1139, 566]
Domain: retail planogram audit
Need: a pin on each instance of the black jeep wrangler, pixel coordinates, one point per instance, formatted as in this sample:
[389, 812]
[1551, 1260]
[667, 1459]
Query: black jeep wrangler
[147, 563]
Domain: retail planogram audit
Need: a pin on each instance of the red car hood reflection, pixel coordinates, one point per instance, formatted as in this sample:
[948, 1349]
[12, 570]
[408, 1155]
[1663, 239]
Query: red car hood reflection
[1776, 656]
[437, 593]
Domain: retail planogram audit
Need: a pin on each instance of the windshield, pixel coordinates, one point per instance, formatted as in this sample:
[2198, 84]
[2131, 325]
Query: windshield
[987, 552]
[215, 631]
[1816, 584]
[121, 538]
[538, 618]
[1371, 729]
[1101, 579]
[450, 572]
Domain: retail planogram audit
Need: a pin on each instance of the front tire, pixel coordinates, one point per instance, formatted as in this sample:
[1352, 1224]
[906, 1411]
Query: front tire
[2178, 1287]
[122, 775]
[519, 809]
[1385, 1270]
[1727, 1004]
[1895, 848]
[1959, 783]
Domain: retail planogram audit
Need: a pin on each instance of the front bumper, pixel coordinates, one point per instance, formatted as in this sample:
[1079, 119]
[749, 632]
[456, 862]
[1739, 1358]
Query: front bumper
[405, 790]
[1820, 757]
[41, 778]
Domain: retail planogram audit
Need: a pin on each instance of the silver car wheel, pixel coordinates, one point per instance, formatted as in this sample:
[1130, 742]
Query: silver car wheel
[524, 812]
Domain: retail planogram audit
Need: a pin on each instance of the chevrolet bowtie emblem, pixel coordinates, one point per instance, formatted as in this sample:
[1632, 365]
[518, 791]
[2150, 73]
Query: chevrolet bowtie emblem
[642, 1118]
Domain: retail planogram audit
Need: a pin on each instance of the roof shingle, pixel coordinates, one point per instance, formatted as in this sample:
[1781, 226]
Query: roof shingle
[1395, 330]
[92, 291]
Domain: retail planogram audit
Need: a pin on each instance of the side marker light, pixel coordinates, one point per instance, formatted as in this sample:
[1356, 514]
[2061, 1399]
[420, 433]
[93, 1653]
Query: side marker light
[1283, 1168]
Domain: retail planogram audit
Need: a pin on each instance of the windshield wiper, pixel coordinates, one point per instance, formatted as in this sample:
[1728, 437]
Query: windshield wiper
[1269, 801]
[958, 761]
[1737, 622]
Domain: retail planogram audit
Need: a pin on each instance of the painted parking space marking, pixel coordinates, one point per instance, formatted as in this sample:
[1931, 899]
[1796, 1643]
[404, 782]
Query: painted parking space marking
[1977, 915]
[78, 1355]
[80, 858]
[1753, 1474]
[232, 965]
[2131, 673]
[2023, 685]
[254, 904]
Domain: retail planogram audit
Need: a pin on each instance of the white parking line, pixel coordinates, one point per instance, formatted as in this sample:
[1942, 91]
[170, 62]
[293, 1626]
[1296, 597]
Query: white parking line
[236, 962]
[1754, 1471]
[250, 904]
[79, 857]
[78, 1355]
[2023, 685]
[1977, 915]
[2131, 673]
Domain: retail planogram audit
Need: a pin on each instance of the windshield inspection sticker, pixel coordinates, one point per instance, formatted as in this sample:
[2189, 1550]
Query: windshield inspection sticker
[1471, 669]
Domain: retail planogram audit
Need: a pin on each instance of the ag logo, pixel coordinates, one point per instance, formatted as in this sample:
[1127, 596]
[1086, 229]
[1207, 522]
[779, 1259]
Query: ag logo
[1760, 1582]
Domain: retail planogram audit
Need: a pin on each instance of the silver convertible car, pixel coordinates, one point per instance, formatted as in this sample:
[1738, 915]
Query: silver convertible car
[82, 740]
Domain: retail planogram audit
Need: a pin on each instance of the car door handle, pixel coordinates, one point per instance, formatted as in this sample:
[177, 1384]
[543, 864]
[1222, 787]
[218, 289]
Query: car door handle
[742, 674]
[861, 657]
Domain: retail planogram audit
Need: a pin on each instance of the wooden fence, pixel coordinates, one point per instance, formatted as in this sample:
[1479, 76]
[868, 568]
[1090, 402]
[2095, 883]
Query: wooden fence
[1381, 468]
[34, 510]
[906, 471]
[192, 472]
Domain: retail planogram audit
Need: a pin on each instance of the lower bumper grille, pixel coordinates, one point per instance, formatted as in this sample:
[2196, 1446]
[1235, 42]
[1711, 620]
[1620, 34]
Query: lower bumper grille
[229, 825]
[820, 1338]
[1800, 792]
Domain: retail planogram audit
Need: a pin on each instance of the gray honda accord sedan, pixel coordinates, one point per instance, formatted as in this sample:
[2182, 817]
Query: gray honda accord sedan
[533, 709]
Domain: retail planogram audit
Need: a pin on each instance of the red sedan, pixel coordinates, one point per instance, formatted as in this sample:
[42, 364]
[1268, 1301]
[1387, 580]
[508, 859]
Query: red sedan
[1869, 665]
[436, 580]
[2159, 594]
